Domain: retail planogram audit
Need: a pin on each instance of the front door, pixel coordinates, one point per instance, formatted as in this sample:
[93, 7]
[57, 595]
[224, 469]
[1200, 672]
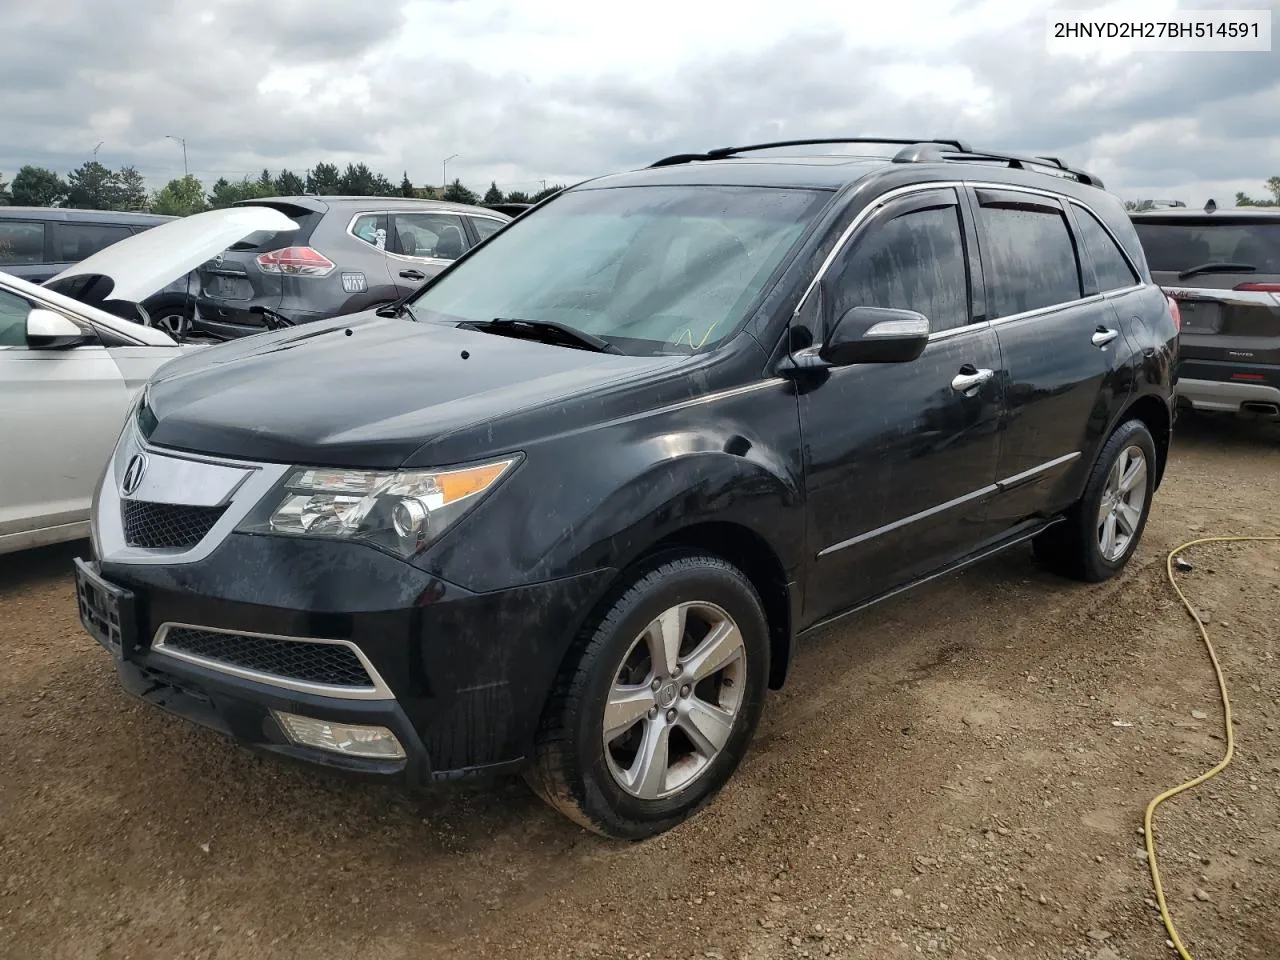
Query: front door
[901, 458]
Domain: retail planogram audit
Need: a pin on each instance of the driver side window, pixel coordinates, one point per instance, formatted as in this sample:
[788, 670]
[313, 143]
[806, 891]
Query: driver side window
[915, 261]
[13, 320]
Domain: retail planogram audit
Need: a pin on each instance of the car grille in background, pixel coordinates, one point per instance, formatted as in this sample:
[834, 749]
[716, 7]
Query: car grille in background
[166, 526]
[332, 664]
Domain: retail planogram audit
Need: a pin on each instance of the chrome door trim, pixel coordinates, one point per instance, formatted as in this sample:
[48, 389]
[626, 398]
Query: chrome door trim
[1018, 479]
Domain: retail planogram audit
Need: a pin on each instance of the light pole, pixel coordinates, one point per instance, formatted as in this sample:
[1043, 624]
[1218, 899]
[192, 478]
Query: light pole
[96, 149]
[181, 140]
[444, 171]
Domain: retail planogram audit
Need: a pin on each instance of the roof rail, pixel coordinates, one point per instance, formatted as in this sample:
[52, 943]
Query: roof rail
[929, 152]
[719, 153]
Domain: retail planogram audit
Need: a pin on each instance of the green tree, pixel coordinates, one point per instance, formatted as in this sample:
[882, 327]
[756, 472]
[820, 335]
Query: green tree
[180, 198]
[406, 186]
[493, 194]
[457, 193]
[226, 192]
[426, 193]
[289, 184]
[517, 196]
[548, 192]
[4, 193]
[127, 190]
[323, 179]
[90, 186]
[265, 182]
[37, 187]
[1273, 187]
[358, 181]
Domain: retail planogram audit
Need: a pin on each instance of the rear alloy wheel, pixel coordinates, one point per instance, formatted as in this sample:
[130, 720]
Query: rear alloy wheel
[1102, 531]
[656, 706]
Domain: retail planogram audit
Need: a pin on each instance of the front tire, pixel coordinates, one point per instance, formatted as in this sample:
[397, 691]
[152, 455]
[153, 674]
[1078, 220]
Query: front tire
[657, 704]
[1103, 529]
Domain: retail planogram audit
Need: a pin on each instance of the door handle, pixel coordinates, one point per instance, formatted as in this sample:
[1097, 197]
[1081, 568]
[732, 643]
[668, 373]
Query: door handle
[1102, 336]
[965, 381]
[413, 275]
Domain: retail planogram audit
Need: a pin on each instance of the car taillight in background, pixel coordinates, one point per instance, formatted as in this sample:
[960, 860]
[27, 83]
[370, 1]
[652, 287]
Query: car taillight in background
[1259, 287]
[1177, 313]
[295, 262]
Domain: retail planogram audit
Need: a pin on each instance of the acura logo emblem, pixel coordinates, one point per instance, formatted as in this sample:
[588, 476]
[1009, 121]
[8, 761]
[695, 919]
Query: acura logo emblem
[133, 474]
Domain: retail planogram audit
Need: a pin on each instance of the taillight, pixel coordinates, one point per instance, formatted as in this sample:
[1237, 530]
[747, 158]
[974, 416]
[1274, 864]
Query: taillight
[1259, 287]
[296, 262]
[1177, 313]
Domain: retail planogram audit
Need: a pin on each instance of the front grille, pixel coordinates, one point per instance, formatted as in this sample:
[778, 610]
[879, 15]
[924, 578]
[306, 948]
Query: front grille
[166, 526]
[332, 664]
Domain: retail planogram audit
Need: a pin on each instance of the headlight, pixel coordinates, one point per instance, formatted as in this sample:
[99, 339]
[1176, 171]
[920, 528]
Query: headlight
[400, 511]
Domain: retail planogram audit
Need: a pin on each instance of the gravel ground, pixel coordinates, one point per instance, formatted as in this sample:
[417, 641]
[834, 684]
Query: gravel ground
[959, 772]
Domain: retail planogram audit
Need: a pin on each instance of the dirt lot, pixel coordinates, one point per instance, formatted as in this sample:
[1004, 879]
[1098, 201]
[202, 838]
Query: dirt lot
[942, 776]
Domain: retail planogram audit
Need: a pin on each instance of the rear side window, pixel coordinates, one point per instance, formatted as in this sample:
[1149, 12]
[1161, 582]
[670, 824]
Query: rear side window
[13, 320]
[913, 262]
[1173, 246]
[21, 242]
[1031, 260]
[1110, 267]
[371, 228]
[73, 242]
[435, 236]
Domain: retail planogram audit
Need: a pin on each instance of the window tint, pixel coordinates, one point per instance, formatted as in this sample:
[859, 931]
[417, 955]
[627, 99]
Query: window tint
[13, 320]
[21, 241]
[372, 229]
[1109, 265]
[73, 242]
[913, 262]
[1173, 246]
[486, 227]
[435, 235]
[1031, 258]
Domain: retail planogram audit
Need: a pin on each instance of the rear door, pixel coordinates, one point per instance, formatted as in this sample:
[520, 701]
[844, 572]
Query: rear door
[484, 227]
[1066, 363]
[422, 244]
[1230, 314]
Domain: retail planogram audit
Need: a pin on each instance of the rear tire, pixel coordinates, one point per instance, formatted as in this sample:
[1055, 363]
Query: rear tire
[1103, 529]
[656, 705]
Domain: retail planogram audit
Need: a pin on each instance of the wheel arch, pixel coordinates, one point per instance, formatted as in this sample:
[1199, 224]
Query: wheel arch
[1154, 413]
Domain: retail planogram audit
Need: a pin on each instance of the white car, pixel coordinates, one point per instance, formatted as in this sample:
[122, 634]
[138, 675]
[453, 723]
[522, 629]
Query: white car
[71, 365]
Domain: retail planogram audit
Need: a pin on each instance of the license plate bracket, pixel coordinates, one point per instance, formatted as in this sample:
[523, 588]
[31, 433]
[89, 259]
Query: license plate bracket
[107, 612]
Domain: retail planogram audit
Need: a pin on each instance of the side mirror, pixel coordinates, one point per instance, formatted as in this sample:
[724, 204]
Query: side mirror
[48, 330]
[876, 335]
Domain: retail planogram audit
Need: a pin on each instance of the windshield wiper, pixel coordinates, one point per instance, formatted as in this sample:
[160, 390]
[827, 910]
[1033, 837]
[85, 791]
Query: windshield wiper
[545, 331]
[1217, 266]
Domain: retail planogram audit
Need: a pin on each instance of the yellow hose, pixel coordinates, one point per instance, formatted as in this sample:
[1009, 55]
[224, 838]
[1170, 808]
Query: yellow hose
[1231, 740]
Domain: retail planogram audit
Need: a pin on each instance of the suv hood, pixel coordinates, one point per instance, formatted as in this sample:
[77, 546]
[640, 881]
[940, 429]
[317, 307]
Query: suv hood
[147, 262]
[364, 391]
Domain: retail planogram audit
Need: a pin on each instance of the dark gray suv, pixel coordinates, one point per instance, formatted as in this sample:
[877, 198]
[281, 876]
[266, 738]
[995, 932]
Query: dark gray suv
[348, 254]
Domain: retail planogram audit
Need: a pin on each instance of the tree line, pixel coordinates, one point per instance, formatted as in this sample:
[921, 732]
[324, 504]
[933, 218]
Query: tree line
[1272, 187]
[93, 186]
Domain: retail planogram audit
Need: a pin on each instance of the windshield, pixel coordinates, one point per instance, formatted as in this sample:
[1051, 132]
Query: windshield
[1176, 246]
[648, 269]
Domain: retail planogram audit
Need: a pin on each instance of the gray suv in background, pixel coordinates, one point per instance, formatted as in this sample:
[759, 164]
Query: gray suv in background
[1222, 267]
[348, 254]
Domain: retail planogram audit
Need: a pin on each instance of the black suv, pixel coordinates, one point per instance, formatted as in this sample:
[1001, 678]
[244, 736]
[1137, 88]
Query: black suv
[1223, 269]
[568, 508]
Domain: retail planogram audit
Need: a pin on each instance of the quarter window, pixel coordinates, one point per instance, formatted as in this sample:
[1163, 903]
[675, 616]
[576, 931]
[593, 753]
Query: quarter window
[21, 242]
[372, 229]
[913, 262]
[73, 242]
[13, 320]
[1031, 259]
[1110, 267]
[486, 227]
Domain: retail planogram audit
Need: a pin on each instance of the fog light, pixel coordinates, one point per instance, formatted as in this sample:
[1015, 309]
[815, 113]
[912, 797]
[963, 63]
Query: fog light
[349, 739]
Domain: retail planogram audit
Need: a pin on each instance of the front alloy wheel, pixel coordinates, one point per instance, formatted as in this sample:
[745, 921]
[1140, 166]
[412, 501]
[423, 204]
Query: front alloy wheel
[674, 700]
[657, 701]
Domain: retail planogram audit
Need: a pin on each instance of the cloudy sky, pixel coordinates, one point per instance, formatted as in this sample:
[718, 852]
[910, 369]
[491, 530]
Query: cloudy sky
[563, 90]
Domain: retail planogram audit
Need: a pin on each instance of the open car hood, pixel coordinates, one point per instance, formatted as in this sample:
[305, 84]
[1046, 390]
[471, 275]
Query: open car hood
[147, 262]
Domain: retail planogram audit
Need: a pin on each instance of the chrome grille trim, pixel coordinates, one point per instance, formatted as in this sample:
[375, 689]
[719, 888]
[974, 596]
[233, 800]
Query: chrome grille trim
[377, 690]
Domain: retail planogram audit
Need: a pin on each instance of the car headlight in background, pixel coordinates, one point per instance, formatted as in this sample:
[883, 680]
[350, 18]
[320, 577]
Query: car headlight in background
[398, 511]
